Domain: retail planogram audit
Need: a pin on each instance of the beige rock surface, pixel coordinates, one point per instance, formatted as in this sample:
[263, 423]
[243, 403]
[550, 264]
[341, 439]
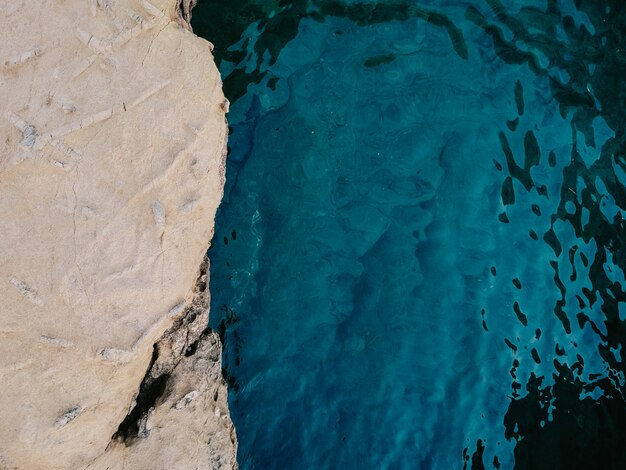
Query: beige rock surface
[112, 147]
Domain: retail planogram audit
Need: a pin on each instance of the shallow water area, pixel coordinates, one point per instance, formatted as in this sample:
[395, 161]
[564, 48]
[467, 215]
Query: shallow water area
[415, 218]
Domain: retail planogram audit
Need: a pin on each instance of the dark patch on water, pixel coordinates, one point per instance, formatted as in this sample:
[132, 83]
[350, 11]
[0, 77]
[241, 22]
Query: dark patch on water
[379, 60]
[536, 209]
[512, 124]
[520, 315]
[508, 193]
[519, 97]
[224, 23]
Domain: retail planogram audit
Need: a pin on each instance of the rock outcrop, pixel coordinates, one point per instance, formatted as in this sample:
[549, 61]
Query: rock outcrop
[112, 153]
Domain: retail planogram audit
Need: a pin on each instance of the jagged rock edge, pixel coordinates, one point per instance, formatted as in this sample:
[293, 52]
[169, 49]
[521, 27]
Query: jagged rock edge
[153, 388]
[192, 324]
[183, 11]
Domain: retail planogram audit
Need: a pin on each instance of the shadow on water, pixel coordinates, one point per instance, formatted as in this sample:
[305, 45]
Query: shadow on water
[278, 22]
[574, 417]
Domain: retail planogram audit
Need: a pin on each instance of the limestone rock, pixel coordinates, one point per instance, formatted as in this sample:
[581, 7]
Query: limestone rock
[112, 149]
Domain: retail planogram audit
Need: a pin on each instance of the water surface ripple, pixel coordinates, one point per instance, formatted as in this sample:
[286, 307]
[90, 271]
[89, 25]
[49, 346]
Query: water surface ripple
[419, 260]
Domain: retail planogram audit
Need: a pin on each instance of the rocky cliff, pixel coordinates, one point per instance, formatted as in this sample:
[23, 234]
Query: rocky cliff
[112, 154]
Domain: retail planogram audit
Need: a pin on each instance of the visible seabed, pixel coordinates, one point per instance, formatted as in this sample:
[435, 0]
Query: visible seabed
[419, 259]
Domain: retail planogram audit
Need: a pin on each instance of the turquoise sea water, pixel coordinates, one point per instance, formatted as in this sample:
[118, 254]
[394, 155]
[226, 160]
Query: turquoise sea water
[419, 259]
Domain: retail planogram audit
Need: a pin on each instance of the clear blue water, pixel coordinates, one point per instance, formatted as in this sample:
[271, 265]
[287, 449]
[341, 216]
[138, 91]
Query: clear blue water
[388, 285]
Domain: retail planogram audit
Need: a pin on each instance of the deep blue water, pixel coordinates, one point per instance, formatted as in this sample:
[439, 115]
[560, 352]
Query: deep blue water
[419, 259]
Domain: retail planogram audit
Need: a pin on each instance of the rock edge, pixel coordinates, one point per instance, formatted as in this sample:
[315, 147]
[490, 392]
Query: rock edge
[112, 161]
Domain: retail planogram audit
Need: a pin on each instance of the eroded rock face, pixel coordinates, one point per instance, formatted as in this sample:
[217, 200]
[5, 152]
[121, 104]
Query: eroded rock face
[111, 168]
[182, 399]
